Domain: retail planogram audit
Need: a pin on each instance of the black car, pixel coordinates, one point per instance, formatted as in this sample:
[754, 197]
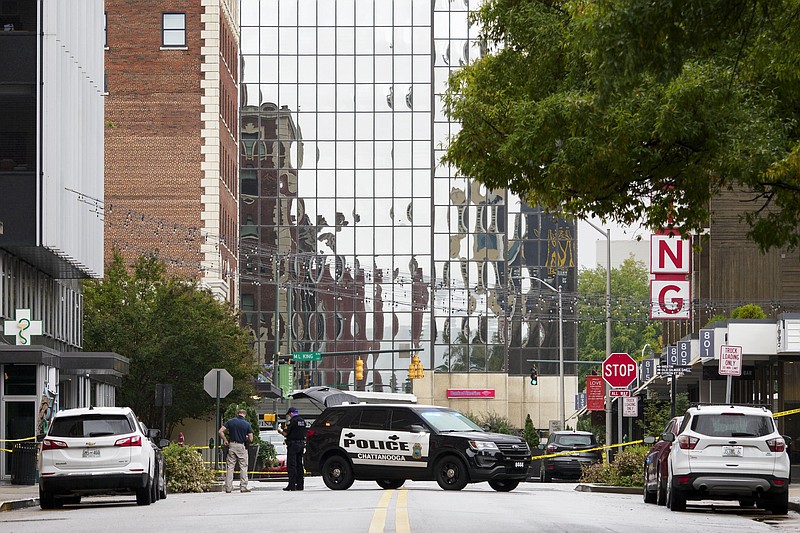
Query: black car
[570, 465]
[392, 443]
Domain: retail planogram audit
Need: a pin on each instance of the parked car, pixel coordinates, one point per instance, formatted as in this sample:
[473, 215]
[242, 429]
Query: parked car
[568, 466]
[394, 442]
[655, 465]
[729, 452]
[154, 436]
[101, 450]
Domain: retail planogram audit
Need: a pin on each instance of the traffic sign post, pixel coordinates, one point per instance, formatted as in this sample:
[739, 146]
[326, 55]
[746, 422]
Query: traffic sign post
[730, 364]
[619, 370]
[218, 383]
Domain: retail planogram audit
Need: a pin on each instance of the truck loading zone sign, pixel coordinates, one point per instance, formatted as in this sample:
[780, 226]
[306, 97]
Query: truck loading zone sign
[730, 360]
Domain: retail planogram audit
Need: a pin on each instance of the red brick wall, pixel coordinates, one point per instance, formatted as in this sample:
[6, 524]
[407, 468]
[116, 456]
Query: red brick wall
[152, 143]
[229, 161]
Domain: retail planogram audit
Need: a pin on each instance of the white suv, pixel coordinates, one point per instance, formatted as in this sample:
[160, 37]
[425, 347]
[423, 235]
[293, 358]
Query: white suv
[101, 450]
[728, 452]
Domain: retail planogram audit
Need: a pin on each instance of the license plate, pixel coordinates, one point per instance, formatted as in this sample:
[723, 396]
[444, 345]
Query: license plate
[91, 452]
[731, 451]
[519, 464]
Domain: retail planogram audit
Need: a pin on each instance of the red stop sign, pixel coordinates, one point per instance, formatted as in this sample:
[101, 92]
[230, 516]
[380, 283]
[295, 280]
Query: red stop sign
[619, 370]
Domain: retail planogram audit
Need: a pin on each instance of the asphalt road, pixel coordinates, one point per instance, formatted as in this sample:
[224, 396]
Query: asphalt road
[416, 507]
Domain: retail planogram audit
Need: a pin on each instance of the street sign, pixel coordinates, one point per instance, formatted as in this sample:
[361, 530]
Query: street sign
[225, 382]
[684, 350]
[307, 356]
[671, 370]
[707, 350]
[286, 379]
[595, 394]
[647, 369]
[730, 360]
[618, 393]
[672, 355]
[619, 370]
[630, 406]
[580, 401]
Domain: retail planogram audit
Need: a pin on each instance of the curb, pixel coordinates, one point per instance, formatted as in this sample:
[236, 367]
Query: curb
[12, 505]
[613, 489]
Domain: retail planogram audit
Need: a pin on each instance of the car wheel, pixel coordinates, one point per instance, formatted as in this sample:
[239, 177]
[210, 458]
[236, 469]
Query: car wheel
[647, 496]
[73, 499]
[162, 486]
[504, 485]
[779, 503]
[337, 473]
[675, 501]
[451, 473]
[144, 494]
[154, 489]
[390, 483]
[661, 489]
[46, 499]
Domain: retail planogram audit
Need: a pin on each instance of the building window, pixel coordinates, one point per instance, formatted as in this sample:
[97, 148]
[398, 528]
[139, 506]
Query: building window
[173, 29]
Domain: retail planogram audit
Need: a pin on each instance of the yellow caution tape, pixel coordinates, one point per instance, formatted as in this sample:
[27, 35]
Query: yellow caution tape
[571, 452]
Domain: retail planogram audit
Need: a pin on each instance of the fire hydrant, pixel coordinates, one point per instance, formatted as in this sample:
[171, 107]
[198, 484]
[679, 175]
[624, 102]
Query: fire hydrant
[180, 438]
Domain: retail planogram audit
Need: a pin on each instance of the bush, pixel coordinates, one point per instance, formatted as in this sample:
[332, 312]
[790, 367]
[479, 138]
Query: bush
[530, 434]
[494, 422]
[185, 470]
[627, 469]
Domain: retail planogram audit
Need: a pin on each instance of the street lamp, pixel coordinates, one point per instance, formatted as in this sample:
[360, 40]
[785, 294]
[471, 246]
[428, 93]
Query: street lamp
[607, 234]
[560, 349]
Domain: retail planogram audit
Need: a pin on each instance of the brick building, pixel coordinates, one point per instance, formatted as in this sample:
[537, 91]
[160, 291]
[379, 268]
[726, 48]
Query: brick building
[171, 136]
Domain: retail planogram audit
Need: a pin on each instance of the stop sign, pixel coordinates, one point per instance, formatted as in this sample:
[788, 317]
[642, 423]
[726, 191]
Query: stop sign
[619, 370]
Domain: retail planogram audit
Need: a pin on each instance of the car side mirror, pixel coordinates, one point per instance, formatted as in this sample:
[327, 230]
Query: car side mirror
[787, 439]
[668, 437]
[163, 443]
[416, 428]
[649, 439]
[153, 433]
[40, 437]
[540, 446]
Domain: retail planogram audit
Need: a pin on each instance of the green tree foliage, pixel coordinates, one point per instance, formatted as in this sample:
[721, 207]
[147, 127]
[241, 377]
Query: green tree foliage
[748, 311]
[637, 111]
[658, 413]
[529, 433]
[172, 332]
[631, 327]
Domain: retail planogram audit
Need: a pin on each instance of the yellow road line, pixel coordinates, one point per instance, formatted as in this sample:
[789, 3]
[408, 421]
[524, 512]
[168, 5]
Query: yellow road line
[379, 518]
[401, 524]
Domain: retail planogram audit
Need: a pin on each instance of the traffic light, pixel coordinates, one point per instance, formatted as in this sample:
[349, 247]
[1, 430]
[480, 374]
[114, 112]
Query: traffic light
[307, 379]
[534, 376]
[359, 369]
[415, 370]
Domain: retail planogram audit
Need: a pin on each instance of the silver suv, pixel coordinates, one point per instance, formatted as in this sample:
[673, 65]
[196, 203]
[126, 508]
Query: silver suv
[728, 452]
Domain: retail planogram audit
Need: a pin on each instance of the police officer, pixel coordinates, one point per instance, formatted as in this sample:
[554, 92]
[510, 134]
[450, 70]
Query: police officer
[295, 433]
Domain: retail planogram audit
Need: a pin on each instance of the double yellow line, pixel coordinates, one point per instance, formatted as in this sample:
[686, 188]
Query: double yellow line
[400, 512]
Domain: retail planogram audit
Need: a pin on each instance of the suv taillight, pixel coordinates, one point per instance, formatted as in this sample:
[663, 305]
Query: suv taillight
[685, 442]
[134, 440]
[52, 444]
[776, 444]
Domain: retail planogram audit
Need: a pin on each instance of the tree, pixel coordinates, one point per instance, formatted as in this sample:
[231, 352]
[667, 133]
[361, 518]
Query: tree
[658, 413]
[748, 311]
[631, 327]
[529, 433]
[171, 331]
[637, 111]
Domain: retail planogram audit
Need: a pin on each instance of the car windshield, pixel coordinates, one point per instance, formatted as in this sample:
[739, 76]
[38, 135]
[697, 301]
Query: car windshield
[575, 440]
[94, 425]
[723, 425]
[447, 420]
[280, 449]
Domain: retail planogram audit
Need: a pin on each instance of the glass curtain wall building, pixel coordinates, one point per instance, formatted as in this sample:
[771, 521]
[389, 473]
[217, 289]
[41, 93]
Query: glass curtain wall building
[354, 240]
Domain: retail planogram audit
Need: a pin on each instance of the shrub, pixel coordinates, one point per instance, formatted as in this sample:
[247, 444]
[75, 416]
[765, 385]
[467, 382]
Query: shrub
[627, 469]
[530, 434]
[185, 470]
[494, 422]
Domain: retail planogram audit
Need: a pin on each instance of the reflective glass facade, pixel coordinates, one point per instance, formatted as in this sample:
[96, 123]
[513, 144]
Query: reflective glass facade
[374, 246]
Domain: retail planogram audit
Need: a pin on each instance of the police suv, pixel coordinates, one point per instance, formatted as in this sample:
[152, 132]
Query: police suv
[392, 443]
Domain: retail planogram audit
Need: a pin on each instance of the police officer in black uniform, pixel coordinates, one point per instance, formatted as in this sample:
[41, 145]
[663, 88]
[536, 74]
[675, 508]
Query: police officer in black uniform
[295, 433]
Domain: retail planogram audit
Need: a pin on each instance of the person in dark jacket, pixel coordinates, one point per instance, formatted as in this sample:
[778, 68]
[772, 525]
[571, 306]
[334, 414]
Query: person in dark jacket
[295, 433]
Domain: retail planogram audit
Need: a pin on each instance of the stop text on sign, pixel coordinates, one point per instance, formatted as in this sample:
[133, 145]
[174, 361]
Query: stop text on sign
[619, 370]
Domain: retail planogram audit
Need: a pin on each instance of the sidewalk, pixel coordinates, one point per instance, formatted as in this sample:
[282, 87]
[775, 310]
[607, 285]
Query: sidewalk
[20, 496]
